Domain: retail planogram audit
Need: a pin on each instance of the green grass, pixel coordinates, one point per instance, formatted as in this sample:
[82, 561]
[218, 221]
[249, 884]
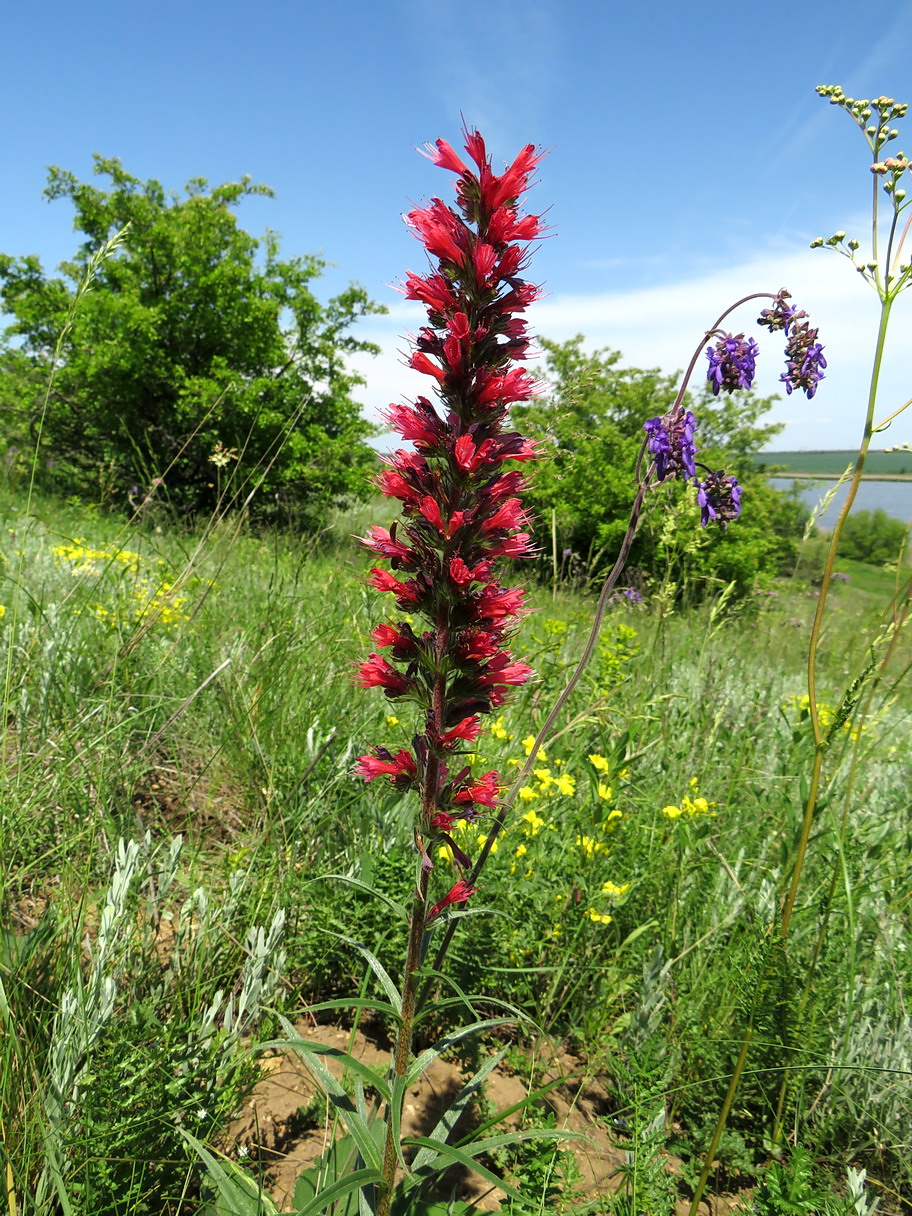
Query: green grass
[198, 700]
[834, 463]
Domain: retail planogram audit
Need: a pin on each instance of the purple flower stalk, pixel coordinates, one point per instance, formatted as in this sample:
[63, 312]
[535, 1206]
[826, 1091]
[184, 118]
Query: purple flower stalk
[732, 363]
[803, 360]
[719, 497]
[671, 444]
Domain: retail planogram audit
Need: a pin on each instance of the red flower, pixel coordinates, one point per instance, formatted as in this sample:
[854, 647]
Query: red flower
[405, 593]
[468, 729]
[393, 485]
[402, 642]
[443, 156]
[508, 515]
[419, 423]
[380, 541]
[434, 291]
[501, 671]
[457, 894]
[384, 765]
[484, 790]
[376, 672]
[421, 363]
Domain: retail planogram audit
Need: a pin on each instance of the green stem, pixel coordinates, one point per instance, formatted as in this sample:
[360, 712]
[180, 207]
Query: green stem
[723, 1119]
[819, 741]
[403, 1051]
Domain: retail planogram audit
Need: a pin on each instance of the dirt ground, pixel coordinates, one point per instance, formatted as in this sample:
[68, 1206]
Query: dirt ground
[271, 1127]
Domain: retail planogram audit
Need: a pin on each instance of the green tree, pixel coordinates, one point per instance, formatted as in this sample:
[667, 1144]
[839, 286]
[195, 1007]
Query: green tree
[872, 536]
[198, 356]
[591, 425]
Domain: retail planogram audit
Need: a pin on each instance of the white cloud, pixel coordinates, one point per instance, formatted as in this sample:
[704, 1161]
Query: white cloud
[660, 327]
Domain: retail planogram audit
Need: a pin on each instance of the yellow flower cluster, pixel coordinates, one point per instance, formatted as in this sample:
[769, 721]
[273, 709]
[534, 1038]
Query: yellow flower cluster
[146, 599]
[86, 561]
[692, 805]
[617, 654]
[611, 890]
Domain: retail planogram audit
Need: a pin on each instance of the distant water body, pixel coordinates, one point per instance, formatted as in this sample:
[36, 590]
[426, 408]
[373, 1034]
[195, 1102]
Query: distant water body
[894, 497]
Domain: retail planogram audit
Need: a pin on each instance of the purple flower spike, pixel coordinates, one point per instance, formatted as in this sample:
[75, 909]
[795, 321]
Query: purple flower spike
[732, 363]
[804, 360]
[671, 444]
[720, 499]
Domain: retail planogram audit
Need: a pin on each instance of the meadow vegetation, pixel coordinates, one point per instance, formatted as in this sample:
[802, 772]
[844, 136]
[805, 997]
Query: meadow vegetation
[698, 905]
[186, 851]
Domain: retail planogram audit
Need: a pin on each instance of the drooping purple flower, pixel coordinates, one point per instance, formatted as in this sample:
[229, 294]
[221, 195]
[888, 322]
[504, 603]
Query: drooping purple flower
[804, 360]
[781, 315]
[632, 595]
[671, 444]
[732, 363]
[719, 497]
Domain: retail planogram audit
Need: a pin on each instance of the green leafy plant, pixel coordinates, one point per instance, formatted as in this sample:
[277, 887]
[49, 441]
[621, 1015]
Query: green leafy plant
[200, 365]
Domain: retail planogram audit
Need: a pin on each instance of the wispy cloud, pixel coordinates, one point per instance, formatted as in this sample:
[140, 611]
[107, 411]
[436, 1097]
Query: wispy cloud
[493, 59]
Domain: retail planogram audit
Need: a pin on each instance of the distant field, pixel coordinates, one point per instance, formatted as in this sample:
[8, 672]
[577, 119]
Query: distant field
[833, 464]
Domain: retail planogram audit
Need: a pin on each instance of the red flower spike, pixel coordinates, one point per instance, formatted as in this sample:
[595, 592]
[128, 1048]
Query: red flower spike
[460, 510]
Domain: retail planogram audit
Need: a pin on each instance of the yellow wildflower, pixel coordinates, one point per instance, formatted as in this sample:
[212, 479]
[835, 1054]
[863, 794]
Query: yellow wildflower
[605, 791]
[392, 720]
[673, 812]
[528, 743]
[535, 822]
[498, 730]
[612, 888]
[591, 846]
[599, 763]
[566, 784]
[521, 851]
[527, 793]
[600, 918]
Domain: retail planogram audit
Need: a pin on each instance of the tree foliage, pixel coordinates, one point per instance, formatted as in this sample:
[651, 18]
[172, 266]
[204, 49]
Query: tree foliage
[591, 426]
[872, 536]
[198, 352]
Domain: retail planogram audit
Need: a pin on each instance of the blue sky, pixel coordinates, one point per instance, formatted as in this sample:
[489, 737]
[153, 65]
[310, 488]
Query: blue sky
[690, 158]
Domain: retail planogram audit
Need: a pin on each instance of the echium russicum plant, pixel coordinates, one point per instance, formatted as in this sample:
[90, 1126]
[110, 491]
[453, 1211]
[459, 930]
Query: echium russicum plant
[461, 511]
[671, 438]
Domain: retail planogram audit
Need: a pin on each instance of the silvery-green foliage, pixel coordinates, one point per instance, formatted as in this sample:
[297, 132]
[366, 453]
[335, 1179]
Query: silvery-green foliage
[855, 1193]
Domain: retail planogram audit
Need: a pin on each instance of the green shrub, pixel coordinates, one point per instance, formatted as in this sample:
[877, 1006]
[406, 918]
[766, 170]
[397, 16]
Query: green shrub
[198, 363]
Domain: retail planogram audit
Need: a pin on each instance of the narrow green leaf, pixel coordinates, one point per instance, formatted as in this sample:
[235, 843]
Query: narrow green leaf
[359, 1003]
[450, 1117]
[338, 1190]
[458, 1156]
[378, 969]
[420, 1064]
[398, 908]
[240, 1195]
